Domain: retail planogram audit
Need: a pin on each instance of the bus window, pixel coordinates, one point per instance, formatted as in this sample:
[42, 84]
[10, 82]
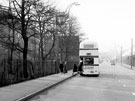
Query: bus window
[89, 61]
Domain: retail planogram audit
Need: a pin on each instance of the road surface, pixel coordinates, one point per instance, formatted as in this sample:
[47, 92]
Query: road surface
[115, 83]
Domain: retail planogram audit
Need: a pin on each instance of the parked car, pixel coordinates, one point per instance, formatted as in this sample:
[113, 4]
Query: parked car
[112, 62]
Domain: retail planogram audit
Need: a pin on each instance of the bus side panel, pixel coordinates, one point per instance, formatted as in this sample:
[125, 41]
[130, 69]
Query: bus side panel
[96, 60]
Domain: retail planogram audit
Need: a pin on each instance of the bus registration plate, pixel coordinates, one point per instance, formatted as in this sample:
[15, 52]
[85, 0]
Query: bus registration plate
[91, 71]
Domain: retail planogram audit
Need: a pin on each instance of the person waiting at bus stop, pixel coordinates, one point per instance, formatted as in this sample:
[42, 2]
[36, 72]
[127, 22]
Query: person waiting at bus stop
[61, 66]
[75, 68]
[65, 67]
[80, 66]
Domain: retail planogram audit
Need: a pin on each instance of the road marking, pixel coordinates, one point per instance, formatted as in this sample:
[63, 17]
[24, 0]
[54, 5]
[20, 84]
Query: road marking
[124, 85]
[133, 93]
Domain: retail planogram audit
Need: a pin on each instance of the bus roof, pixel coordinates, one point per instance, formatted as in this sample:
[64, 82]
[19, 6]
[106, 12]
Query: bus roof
[88, 45]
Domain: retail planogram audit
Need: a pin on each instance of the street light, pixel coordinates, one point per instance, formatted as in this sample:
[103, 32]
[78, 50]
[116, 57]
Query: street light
[64, 15]
[70, 5]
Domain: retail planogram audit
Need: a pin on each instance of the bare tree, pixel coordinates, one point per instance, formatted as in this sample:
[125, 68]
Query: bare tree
[30, 22]
[8, 24]
[24, 11]
[44, 24]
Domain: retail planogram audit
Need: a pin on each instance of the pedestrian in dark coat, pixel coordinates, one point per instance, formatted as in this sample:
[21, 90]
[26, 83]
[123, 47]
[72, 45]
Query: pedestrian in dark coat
[61, 67]
[75, 68]
[80, 67]
[65, 67]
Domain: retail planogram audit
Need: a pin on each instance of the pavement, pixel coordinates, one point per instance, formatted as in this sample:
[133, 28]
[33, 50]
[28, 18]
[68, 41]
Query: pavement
[128, 66]
[25, 90]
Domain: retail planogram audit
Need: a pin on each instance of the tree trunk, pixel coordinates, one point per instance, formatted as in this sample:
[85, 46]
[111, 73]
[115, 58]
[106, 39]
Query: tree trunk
[12, 49]
[25, 51]
[42, 55]
[11, 60]
[25, 39]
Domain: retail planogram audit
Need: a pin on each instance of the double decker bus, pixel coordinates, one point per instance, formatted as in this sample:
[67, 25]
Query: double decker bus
[89, 55]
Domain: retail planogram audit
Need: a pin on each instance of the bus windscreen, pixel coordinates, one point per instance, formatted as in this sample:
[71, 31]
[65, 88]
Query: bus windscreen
[89, 61]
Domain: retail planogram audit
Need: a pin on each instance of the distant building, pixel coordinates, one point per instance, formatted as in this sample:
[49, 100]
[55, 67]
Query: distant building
[66, 48]
[69, 48]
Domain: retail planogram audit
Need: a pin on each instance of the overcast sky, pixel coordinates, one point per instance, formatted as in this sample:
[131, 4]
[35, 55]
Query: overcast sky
[111, 23]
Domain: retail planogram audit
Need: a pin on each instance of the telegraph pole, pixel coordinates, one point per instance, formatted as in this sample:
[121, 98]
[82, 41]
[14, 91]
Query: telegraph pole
[131, 53]
[121, 55]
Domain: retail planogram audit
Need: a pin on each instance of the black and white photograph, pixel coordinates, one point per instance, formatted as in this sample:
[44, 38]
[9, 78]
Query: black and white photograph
[67, 50]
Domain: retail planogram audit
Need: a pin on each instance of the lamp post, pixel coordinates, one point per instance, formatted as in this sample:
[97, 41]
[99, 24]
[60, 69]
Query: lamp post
[66, 17]
[62, 17]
